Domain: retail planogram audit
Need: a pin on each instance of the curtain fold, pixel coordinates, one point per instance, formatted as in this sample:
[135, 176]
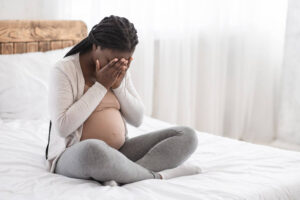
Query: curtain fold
[289, 112]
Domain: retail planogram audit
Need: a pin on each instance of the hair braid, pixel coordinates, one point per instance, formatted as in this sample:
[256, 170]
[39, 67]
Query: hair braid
[111, 32]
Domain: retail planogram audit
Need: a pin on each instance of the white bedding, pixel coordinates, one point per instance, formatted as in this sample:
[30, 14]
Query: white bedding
[232, 170]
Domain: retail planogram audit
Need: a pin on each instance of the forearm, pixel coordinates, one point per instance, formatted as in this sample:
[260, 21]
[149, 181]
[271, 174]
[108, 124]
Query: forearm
[66, 113]
[70, 119]
[131, 103]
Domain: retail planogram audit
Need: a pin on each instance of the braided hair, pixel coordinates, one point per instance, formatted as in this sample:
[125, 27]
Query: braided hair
[112, 32]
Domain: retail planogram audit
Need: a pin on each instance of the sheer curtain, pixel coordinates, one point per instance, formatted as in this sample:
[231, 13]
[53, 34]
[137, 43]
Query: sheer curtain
[213, 65]
[289, 112]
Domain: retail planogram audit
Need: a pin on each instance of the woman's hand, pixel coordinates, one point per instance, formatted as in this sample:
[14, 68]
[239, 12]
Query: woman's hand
[107, 75]
[125, 65]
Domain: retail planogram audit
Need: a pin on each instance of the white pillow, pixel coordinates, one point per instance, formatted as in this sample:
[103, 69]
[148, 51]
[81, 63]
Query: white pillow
[24, 83]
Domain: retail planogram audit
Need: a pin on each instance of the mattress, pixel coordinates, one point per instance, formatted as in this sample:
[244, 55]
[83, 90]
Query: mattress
[232, 169]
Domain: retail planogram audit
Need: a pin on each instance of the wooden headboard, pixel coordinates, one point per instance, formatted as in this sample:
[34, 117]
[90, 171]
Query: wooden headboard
[21, 36]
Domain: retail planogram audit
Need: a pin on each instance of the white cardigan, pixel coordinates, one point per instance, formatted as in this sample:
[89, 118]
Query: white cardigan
[69, 107]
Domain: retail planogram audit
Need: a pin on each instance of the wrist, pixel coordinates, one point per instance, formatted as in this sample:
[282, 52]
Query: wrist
[115, 86]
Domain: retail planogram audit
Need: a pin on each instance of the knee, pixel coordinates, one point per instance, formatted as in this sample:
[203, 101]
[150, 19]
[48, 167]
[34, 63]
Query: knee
[190, 137]
[93, 149]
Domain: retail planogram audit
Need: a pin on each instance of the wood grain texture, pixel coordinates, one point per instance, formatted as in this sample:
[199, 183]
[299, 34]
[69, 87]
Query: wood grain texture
[7, 48]
[32, 46]
[44, 46]
[20, 36]
[55, 45]
[19, 47]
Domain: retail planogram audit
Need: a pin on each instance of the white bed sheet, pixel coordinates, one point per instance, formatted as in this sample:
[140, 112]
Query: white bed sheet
[232, 170]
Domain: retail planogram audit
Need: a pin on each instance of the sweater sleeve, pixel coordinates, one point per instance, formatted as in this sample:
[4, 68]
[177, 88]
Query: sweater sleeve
[132, 106]
[66, 114]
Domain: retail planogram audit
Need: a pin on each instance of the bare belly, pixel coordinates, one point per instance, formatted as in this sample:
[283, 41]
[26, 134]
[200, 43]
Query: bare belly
[106, 125]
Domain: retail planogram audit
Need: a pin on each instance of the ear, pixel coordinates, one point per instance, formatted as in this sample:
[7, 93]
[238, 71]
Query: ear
[98, 67]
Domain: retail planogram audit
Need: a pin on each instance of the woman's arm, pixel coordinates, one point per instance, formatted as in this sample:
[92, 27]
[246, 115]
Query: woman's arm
[66, 115]
[132, 106]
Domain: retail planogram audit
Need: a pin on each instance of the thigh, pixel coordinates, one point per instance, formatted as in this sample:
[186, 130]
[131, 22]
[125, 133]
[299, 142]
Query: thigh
[94, 159]
[135, 148]
[77, 160]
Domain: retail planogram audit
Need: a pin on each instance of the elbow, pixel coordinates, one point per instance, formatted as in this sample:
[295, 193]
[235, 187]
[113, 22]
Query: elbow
[134, 116]
[139, 121]
[61, 132]
[60, 128]
[140, 117]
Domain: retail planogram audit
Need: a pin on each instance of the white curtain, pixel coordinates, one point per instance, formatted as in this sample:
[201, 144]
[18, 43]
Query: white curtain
[289, 112]
[213, 65]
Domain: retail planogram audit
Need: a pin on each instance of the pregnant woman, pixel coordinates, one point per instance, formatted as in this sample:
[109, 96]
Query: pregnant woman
[91, 97]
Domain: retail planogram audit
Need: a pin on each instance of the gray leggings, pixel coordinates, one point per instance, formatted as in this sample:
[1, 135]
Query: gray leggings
[139, 158]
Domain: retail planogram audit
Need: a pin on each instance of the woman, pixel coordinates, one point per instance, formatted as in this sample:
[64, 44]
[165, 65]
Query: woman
[91, 94]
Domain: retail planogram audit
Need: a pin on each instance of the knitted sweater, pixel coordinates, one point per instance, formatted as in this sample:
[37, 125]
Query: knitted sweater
[69, 106]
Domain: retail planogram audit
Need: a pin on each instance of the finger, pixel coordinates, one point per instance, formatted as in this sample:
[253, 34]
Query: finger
[129, 61]
[120, 75]
[124, 65]
[119, 64]
[118, 68]
[115, 74]
[120, 72]
[112, 62]
[124, 68]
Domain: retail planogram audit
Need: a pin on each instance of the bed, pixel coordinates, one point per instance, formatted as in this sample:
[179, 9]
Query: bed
[232, 169]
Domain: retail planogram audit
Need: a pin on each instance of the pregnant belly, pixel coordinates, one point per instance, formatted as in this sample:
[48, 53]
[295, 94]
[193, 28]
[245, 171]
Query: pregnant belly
[106, 125]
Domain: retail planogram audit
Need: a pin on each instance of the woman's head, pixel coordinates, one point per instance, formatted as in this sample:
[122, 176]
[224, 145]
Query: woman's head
[112, 37]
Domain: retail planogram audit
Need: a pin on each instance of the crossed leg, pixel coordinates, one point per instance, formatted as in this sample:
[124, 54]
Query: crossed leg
[139, 158]
[162, 149]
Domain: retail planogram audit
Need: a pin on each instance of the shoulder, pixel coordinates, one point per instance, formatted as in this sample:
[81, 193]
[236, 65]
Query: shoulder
[67, 65]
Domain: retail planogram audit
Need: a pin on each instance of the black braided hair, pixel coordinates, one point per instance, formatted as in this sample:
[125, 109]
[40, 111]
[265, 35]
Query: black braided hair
[112, 32]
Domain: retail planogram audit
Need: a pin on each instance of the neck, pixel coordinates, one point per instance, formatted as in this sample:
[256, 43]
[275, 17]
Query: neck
[87, 65]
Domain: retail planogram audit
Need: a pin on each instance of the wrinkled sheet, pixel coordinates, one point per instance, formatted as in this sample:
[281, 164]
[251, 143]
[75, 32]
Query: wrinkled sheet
[232, 169]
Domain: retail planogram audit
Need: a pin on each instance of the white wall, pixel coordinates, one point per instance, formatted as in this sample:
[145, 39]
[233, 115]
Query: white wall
[47, 9]
[21, 9]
